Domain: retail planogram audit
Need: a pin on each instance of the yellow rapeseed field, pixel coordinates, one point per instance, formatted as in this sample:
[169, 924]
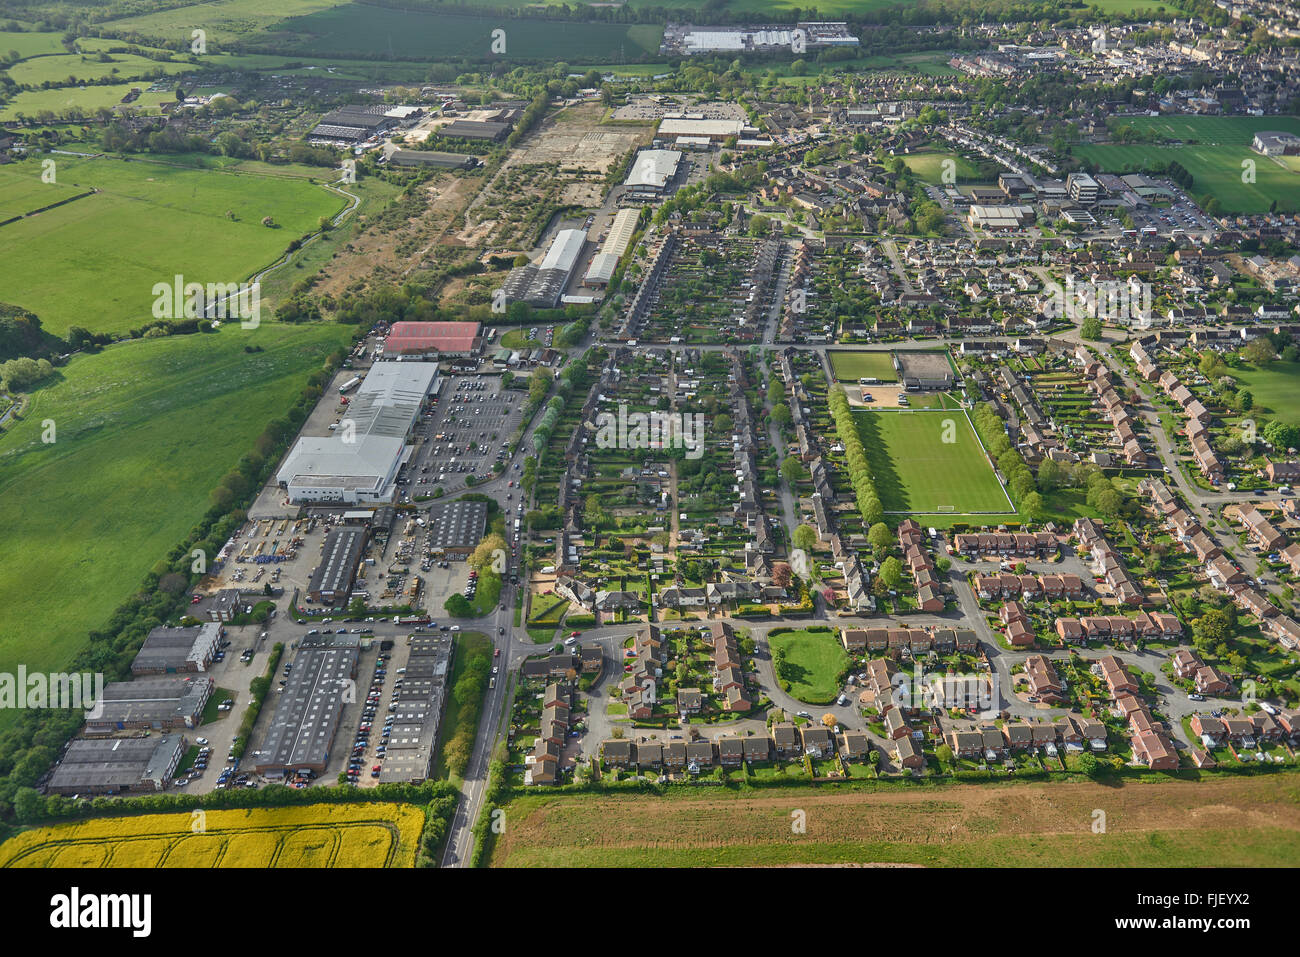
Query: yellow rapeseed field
[321, 835]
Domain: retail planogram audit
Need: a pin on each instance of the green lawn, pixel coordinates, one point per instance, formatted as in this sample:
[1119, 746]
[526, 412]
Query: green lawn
[149, 222]
[918, 470]
[815, 663]
[1275, 388]
[930, 166]
[31, 44]
[1213, 149]
[852, 366]
[143, 432]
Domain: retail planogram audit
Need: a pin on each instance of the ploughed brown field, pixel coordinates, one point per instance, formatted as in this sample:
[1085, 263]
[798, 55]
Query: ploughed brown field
[1242, 822]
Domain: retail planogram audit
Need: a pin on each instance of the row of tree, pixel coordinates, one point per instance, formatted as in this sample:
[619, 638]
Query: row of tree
[860, 477]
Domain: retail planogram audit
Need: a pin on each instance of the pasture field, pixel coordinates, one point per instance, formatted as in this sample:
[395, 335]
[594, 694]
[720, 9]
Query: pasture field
[1221, 144]
[851, 366]
[224, 20]
[1275, 388]
[143, 432]
[32, 103]
[354, 29]
[30, 44]
[149, 222]
[916, 471]
[322, 835]
[815, 662]
[57, 69]
[1231, 822]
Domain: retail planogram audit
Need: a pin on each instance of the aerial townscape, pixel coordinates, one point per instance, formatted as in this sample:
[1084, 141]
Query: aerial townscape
[500, 434]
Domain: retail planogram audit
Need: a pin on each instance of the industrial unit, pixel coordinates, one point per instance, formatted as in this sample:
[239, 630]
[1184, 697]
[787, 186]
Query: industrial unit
[360, 462]
[309, 709]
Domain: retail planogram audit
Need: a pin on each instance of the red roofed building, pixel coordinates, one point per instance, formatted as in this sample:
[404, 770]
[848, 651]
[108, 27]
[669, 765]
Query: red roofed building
[445, 338]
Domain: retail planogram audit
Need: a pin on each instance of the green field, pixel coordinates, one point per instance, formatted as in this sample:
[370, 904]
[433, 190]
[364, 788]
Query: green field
[1213, 149]
[815, 664]
[930, 166]
[852, 366]
[917, 471]
[1275, 387]
[143, 432]
[31, 103]
[361, 30]
[30, 44]
[57, 69]
[94, 262]
[224, 20]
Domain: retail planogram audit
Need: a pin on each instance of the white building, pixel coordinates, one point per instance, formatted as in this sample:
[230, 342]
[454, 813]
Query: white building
[359, 462]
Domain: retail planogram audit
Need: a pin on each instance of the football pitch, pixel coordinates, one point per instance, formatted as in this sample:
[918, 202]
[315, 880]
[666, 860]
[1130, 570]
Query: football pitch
[1213, 150]
[851, 366]
[930, 462]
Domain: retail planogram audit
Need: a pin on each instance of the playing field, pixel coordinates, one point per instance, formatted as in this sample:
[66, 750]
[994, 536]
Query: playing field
[852, 366]
[321, 835]
[1242, 822]
[930, 167]
[142, 433]
[94, 262]
[1213, 150]
[1275, 388]
[929, 462]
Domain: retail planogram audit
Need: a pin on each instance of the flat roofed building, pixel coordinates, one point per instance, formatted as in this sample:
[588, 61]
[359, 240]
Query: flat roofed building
[476, 130]
[307, 712]
[671, 127]
[421, 701]
[433, 158]
[652, 171]
[456, 528]
[444, 338]
[384, 409]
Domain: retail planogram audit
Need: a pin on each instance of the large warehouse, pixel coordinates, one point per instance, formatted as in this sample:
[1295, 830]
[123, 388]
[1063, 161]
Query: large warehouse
[172, 650]
[159, 704]
[340, 556]
[442, 338]
[542, 284]
[456, 528]
[117, 765]
[652, 171]
[359, 463]
[309, 709]
[613, 248]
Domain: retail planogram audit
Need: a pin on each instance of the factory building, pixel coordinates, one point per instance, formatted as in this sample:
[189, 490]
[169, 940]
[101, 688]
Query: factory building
[359, 463]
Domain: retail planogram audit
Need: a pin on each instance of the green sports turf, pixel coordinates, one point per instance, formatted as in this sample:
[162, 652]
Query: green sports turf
[917, 471]
[1213, 149]
[852, 366]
